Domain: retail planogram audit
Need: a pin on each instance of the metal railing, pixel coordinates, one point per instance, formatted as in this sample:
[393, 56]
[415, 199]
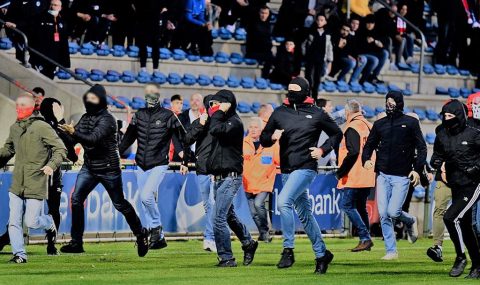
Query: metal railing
[422, 36]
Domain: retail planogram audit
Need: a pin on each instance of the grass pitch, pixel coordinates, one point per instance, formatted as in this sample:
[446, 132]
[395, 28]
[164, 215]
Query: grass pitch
[184, 262]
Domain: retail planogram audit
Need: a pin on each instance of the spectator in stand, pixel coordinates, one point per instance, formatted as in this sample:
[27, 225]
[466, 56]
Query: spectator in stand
[50, 39]
[20, 15]
[124, 28]
[3, 9]
[388, 27]
[284, 64]
[330, 159]
[94, 17]
[354, 38]
[373, 46]
[259, 40]
[405, 32]
[177, 104]
[265, 112]
[199, 29]
[260, 169]
[416, 9]
[318, 54]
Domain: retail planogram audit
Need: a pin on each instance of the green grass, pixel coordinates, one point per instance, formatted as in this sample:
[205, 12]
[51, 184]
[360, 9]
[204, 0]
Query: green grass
[184, 262]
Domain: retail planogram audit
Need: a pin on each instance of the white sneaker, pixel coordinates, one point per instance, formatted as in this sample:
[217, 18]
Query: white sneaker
[209, 245]
[231, 28]
[390, 256]
[412, 231]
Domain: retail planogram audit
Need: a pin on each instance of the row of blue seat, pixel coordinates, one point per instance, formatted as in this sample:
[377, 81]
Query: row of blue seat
[455, 92]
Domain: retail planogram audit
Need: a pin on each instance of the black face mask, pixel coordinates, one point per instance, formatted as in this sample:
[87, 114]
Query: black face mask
[451, 124]
[390, 109]
[92, 108]
[296, 97]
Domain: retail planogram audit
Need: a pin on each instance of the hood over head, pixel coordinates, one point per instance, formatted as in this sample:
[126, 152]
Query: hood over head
[99, 91]
[226, 96]
[397, 96]
[457, 124]
[46, 109]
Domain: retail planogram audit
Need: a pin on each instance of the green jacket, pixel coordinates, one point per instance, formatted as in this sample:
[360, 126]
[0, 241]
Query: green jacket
[35, 145]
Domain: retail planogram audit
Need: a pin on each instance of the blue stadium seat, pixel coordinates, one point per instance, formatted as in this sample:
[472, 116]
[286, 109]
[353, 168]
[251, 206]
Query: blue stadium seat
[452, 70]
[165, 53]
[159, 77]
[256, 107]
[240, 34]
[368, 88]
[189, 79]
[428, 69]
[204, 80]
[407, 92]
[393, 87]
[87, 49]
[166, 103]
[261, 83]
[279, 39]
[243, 107]
[355, 87]
[123, 99]
[149, 52]
[143, 77]
[208, 59]
[328, 86]
[186, 105]
[214, 33]
[441, 91]
[430, 138]
[342, 86]
[368, 112]
[440, 69]
[338, 108]
[137, 106]
[403, 66]
[137, 99]
[110, 101]
[276, 86]
[221, 57]
[247, 83]
[421, 113]
[381, 89]
[133, 51]
[112, 76]
[218, 81]
[379, 110]
[274, 105]
[224, 34]
[250, 61]
[407, 110]
[179, 54]
[464, 72]
[118, 51]
[465, 92]
[233, 81]
[73, 47]
[415, 67]
[193, 58]
[453, 92]
[63, 75]
[174, 78]
[432, 115]
[97, 75]
[128, 76]
[236, 58]
[103, 50]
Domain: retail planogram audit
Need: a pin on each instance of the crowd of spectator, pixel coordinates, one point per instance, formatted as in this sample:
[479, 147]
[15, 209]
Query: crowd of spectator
[314, 34]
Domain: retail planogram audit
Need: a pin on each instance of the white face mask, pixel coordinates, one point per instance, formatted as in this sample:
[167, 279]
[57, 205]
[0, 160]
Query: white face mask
[53, 12]
[476, 111]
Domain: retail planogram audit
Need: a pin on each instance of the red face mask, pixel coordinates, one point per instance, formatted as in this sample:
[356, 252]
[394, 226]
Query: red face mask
[24, 112]
[213, 109]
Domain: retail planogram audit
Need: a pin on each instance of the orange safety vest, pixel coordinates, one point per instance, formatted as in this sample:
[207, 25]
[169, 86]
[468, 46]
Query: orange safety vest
[260, 167]
[358, 176]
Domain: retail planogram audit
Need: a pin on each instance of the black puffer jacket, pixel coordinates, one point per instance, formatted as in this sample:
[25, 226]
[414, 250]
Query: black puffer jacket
[97, 132]
[196, 133]
[227, 131]
[396, 138]
[302, 125]
[153, 129]
[458, 147]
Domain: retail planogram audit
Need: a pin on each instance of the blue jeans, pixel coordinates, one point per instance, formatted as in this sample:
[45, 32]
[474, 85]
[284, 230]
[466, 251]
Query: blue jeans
[256, 203]
[476, 218]
[382, 58]
[354, 203]
[370, 63]
[34, 219]
[87, 180]
[205, 185]
[148, 183]
[295, 195]
[391, 193]
[361, 62]
[225, 217]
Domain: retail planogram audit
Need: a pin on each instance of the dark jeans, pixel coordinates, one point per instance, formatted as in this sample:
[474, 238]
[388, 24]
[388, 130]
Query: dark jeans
[87, 180]
[54, 197]
[151, 39]
[354, 203]
[256, 202]
[225, 217]
[313, 73]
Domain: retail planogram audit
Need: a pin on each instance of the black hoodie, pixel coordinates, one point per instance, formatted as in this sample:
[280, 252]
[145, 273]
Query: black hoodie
[97, 132]
[46, 109]
[399, 142]
[226, 130]
[458, 147]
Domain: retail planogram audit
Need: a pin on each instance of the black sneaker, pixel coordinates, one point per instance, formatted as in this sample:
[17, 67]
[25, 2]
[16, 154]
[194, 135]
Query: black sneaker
[435, 253]
[142, 243]
[156, 239]
[322, 263]
[17, 259]
[287, 259]
[72, 247]
[4, 240]
[474, 273]
[265, 237]
[458, 266]
[52, 236]
[227, 263]
[249, 252]
[52, 250]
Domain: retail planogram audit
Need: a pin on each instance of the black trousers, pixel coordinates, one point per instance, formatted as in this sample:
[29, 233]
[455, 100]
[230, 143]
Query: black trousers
[54, 197]
[87, 180]
[458, 220]
[148, 37]
[313, 73]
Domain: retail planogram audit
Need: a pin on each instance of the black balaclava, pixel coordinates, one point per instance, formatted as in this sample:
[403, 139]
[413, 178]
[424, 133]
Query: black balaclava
[459, 122]
[46, 109]
[397, 96]
[298, 90]
[101, 93]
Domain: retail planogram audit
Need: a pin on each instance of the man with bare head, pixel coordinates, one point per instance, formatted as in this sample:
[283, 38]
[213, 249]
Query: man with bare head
[39, 152]
[265, 112]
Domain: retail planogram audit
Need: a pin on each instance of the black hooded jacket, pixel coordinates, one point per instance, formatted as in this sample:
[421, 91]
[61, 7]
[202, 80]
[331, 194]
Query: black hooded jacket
[198, 133]
[153, 129]
[97, 132]
[226, 130]
[396, 138]
[458, 147]
[46, 109]
[302, 125]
